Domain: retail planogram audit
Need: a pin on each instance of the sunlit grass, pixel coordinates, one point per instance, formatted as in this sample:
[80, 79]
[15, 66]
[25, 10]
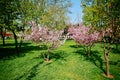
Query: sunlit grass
[68, 63]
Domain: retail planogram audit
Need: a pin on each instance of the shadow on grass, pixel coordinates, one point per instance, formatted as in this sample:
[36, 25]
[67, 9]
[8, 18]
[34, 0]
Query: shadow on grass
[94, 57]
[31, 73]
[28, 48]
[57, 55]
[12, 45]
[8, 52]
[76, 46]
[113, 62]
[8, 44]
[116, 63]
[116, 51]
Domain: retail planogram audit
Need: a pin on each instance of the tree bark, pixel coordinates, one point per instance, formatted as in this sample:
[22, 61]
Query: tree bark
[16, 42]
[48, 55]
[106, 52]
[3, 37]
[3, 40]
[87, 50]
[21, 40]
[107, 64]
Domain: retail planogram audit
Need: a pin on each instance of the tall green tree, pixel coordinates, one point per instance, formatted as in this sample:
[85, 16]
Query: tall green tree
[2, 21]
[9, 13]
[16, 13]
[104, 14]
[55, 14]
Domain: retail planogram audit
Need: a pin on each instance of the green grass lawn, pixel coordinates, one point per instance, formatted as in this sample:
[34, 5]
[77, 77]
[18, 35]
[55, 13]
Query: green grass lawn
[68, 63]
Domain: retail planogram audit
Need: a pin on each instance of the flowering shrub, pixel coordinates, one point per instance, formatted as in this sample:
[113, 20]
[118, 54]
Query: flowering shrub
[82, 35]
[52, 38]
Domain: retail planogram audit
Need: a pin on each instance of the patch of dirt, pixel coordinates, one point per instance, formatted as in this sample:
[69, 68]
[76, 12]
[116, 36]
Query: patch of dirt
[48, 61]
[110, 76]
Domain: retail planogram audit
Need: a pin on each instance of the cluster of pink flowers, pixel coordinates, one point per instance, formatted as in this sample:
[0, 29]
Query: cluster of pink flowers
[45, 35]
[82, 35]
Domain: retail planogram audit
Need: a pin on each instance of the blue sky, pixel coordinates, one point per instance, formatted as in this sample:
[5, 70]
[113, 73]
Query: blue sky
[76, 15]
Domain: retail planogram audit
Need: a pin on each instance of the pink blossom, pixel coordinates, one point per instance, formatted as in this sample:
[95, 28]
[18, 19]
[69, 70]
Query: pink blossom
[46, 35]
[81, 34]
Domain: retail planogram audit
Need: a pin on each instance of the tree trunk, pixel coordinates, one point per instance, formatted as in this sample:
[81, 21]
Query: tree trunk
[106, 52]
[16, 42]
[89, 50]
[21, 41]
[3, 37]
[3, 40]
[48, 55]
[107, 64]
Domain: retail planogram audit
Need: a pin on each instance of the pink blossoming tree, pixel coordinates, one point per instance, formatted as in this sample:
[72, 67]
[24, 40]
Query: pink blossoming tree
[82, 35]
[52, 38]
